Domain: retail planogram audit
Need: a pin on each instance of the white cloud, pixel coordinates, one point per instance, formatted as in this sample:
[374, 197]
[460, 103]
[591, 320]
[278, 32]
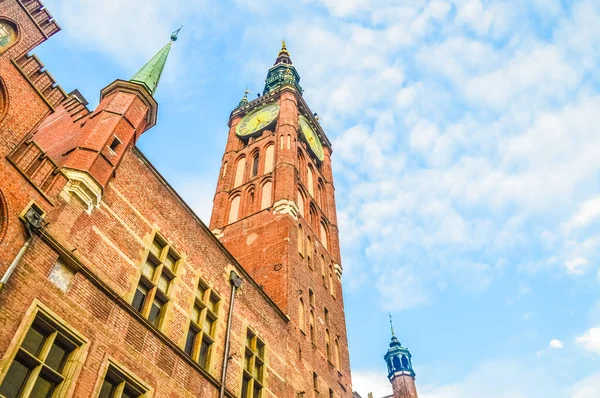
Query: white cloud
[556, 344]
[374, 381]
[577, 265]
[401, 289]
[590, 340]
[588, 212]
[586, 388]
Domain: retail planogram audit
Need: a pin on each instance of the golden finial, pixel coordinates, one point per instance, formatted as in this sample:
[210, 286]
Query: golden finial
[283, 49]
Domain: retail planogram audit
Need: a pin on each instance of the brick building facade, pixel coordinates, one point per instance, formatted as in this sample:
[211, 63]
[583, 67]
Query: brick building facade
[111, 286]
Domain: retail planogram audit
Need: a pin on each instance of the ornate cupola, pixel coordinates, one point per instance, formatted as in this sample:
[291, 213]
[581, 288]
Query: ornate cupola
[282, 72]
[400, 370]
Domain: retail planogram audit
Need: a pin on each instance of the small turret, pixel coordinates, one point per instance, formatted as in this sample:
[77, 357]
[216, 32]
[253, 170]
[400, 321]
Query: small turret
[400, 370]
[282, 72]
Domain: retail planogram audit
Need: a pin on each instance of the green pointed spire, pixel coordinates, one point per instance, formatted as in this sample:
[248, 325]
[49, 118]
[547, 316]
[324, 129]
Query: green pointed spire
[149, 75]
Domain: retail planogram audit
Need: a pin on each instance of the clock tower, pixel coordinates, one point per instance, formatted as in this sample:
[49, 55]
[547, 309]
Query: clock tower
[274, 210]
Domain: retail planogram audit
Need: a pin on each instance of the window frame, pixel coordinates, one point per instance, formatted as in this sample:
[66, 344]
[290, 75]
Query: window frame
[204, 303]
[71, 364]
[126, 376]
[253, 353]
[153, 284]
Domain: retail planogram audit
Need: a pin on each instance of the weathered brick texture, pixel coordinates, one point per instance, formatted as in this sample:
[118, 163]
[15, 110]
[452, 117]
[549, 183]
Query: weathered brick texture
[44, 132]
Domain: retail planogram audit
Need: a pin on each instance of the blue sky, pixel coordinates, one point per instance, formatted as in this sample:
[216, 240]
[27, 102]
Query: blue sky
[466, 163]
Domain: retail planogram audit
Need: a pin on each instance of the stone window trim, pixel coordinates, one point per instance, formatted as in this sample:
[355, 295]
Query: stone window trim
[166, 261]
[17, 30]
[253, 383]
[125, 378]
[38, 313]
[205, 308]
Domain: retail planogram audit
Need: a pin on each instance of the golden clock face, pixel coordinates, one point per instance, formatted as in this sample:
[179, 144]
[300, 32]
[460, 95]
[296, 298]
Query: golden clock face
[257, 120]
[312, 138]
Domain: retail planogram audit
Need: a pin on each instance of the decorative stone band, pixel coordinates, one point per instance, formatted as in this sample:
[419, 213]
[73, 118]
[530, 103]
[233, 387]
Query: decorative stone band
[338, 270]
[218, 233]
[286, 206]
[399, 373]
[84, 187]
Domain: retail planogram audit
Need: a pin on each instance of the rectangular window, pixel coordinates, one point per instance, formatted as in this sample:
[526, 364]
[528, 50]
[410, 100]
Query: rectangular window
[44, 361]
[201, 334]
[254, 364]
[118, 384]
[152, 293]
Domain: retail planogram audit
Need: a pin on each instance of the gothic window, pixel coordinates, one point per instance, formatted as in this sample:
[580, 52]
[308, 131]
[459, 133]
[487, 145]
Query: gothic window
[254, 364]
[326, 313]
[309, 251]
[336, 349]
[301, 203]
[281, 142]
[331, 393]
[201, 333]
[328, 345]
[224, 169]
[266, 195]
[300, 240]
[289, 141]
[331, 286]
[323, 275]
[3, 99]
[301, 166]
[311, 326]
[234, 210]
[239, 172]
[323, 234]
[269, 158]
[152, 293]
[396, 363]
[311, 298]
[8, 35]
[301, 314]
[254, 171]
[119, 384]
[404, 362]
[250, 208]
[316, 382]
[312, 216]
[310, 181]
[45, 361]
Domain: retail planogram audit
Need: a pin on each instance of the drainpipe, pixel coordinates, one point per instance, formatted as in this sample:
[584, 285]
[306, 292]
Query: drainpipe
[236, 282]
[33, 221]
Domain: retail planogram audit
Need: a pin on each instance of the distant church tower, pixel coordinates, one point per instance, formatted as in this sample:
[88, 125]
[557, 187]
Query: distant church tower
[400, 371]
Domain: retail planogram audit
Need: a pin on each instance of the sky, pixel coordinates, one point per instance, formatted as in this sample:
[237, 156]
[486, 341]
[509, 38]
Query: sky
[466, 163]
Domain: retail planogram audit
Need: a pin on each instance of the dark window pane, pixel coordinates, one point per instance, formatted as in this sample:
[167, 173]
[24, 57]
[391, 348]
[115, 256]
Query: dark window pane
[34, 340]
[256, 391]
[258, 371]
[43, 388]
[204, 350]
[14, 380]
[245, 388]
[57, 356]
[155, 311]
[138, 299]
[189, 342]
[108, 389]
[247, 359]
[130, 392]
[208, 325]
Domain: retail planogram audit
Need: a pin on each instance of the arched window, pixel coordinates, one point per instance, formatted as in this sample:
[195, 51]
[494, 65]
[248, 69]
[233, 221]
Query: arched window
[234, 210]
[396, 363]
[301, 203]
[300, 240]
[8, 35]
[336, 352]
[269, 158]
[323, 271]
[331, 286]
[3, 99]
[311, 326]
[310, 181]
[328, 345]
[311, 298]
[3, 216]
[323, 234]
[309, 251]
[301, 166]
[266, 195]
[240, 169]
[289, 141]
[301, 320]
[250, 207]
[319, 195]
[254, 172]
[224, 169]
[313, 216]
[281, 142]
